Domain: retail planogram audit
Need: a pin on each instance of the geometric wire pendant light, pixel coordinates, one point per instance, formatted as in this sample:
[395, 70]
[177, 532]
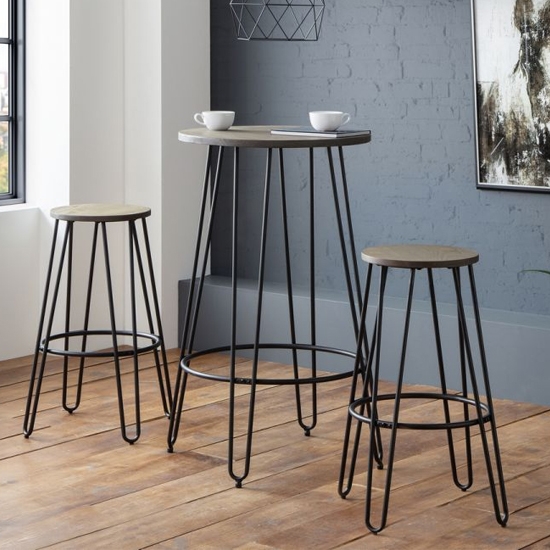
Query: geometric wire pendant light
[277, 19]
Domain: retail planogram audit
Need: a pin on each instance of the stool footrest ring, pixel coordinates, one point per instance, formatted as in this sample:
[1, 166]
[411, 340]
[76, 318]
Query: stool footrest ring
[185, 364]
[155, 343]
[384, 423]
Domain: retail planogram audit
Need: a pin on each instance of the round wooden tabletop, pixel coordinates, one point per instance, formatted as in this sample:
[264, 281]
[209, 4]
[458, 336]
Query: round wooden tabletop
[261, 136]
[418, 256]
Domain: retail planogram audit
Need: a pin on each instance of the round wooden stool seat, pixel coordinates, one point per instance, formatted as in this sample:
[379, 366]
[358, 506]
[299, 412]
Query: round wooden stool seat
[418, 256]
[100, 212]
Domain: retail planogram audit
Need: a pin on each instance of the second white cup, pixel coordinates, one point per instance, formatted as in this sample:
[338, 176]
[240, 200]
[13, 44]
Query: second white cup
[327, 121]
[215, 120]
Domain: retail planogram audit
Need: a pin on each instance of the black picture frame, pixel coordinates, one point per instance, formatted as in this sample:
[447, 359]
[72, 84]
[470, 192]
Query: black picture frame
[511, 61]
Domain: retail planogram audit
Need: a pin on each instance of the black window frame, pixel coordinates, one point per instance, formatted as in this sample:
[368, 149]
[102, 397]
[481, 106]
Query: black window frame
[16, 114]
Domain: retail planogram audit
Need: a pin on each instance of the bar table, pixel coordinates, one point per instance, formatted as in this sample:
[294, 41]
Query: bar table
[239, 138]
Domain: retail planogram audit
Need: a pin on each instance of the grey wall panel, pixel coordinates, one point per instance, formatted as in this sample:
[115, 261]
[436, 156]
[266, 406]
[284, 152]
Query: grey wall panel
[516, 344]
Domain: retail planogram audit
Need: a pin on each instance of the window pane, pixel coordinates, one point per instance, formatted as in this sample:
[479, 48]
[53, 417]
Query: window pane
[4, 95]
[12, 127]
[4, 18]
[4, 157]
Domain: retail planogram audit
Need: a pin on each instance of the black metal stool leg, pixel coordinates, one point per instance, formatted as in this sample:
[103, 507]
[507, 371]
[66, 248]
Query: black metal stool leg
[343, 490]
[374, 416]
[67, 321]
[446, 410]
[374, 364]
[37, 372]
[500, 507]
[116, 353]
[161, 363]
[464, 394]
[66, 406]
[133, 311]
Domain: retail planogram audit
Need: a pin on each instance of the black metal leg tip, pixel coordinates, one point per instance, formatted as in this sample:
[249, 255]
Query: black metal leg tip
[307, 433]
[170, 450]
[238, 484]
[27, 436]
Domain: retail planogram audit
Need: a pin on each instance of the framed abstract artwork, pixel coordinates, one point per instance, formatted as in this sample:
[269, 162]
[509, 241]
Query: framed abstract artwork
[511, 49]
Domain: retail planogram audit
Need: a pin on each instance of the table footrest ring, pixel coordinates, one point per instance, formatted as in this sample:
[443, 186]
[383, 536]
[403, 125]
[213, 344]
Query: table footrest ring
[185, 364]
[384, 423]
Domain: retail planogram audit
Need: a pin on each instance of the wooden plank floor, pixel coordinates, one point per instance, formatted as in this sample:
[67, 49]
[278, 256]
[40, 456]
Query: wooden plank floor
[75, 484]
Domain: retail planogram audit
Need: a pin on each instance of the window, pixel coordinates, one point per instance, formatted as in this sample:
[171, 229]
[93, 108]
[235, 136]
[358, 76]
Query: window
[12, 80]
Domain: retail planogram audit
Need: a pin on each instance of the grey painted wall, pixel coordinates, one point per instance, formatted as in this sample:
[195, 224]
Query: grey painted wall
[516, 343]
[403, 68]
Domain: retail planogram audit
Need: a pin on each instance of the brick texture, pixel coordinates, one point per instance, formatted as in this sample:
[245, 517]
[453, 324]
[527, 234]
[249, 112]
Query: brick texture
[402, 68]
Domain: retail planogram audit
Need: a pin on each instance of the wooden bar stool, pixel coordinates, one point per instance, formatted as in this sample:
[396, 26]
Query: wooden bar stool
[460, 410]
[141, 342]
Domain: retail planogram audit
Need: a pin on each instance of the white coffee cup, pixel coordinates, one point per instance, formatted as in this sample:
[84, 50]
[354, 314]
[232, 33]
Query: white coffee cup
[327, 121]
[215, 120]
